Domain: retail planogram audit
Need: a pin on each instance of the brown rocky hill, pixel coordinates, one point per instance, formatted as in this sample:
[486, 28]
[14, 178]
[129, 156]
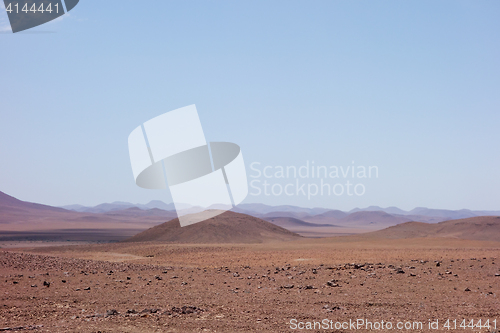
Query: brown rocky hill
[10, 204]
[367, 219]
[484, 228]
[290, 222]
[228, 227]
[376, 218]
[21, 220]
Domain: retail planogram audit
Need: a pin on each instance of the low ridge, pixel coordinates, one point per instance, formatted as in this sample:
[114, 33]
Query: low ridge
[228, 227]
[290, 222]
[483, 228]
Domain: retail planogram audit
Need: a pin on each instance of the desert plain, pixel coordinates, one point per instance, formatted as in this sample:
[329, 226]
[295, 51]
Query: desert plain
[260, 287]
[240, 273]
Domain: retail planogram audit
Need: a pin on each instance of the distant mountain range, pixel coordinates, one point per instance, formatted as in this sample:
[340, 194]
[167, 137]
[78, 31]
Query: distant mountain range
[314, 222]
[21, 220]
[120, 205]
[124, 219]
[291, 211]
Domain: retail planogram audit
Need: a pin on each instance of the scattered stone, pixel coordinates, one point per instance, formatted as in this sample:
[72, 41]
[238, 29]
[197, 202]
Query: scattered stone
[332, 283]
[88, 288]
[186, 310]
[288, 286]
[327, 307]
[20, 328]
[467, 289]
[111, 312]
[46, 284]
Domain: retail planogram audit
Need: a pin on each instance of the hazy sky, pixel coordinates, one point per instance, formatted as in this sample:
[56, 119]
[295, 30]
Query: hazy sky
[411, 87]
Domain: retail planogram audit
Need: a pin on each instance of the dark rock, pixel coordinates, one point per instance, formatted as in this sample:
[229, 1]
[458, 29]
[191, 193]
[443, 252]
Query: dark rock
[186, 310]
[46, 284]
[332, 283]
[111, 312]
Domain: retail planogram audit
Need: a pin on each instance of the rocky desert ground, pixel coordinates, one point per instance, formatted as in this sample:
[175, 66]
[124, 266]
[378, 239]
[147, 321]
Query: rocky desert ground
[239, 273]
[266, 287]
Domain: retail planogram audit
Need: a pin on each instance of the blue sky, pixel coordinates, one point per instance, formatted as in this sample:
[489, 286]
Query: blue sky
[411, 87]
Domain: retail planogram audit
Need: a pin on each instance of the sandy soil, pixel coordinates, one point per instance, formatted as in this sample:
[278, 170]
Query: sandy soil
[33, 244]
[148, 287]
